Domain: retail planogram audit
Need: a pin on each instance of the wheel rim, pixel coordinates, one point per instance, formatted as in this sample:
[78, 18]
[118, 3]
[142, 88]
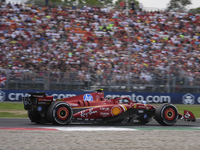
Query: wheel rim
[62, 113]
[169, 114]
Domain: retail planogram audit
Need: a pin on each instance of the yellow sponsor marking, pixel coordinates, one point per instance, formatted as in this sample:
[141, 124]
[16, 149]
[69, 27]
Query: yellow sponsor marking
[116, 111]
[124, 107]
[59, 100]
[135, 105]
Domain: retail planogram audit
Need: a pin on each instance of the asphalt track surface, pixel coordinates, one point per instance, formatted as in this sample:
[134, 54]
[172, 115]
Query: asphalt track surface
[26, 123]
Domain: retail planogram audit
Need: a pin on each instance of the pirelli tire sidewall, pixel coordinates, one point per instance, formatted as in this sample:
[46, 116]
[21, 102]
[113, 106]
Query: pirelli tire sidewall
[166, 114]
[54, 113]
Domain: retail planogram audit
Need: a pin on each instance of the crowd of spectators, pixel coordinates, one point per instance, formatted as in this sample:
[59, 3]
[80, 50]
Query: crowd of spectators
[100, 44]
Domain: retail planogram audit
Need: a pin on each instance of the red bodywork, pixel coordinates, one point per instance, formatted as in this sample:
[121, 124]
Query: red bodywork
[95, 106]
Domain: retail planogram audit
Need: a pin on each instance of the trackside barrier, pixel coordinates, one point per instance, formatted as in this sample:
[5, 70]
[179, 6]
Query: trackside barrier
[175, 98]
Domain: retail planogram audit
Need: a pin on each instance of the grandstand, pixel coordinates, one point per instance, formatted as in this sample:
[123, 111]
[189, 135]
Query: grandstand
[71, 48]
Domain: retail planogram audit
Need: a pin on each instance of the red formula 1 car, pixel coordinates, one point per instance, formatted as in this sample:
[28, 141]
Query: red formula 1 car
[93, 107]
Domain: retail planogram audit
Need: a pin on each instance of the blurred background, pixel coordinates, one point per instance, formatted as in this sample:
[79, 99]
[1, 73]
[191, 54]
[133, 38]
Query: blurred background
[84, 45]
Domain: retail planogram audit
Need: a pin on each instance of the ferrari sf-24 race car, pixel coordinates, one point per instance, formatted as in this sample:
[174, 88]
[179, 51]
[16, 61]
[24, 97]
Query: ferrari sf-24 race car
[94, 108]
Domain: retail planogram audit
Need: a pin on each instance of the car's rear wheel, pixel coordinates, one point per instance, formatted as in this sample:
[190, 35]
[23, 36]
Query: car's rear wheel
[59, 113]
[166, 114]
[34, 116]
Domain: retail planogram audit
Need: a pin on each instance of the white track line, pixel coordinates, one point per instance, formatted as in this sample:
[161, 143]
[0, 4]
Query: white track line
[196, 127]
[90, 129]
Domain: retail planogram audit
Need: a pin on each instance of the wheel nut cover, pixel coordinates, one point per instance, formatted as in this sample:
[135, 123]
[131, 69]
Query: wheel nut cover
[169, 114]
[62, 113]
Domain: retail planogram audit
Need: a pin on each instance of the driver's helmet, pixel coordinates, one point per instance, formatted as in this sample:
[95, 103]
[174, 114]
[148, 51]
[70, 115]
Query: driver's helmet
[108, 97]
[144, 102]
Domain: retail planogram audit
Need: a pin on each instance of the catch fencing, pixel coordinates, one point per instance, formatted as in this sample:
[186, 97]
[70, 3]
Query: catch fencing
[109, 82]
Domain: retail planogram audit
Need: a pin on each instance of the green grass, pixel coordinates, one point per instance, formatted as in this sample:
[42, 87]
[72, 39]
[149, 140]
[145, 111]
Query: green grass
[12, 115]
[12, 110]
[8, 110]
[11, 106]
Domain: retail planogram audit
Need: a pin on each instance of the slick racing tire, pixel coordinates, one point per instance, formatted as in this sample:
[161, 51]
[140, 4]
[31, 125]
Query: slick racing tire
[34, 116]
[59, 113]
[166, 114]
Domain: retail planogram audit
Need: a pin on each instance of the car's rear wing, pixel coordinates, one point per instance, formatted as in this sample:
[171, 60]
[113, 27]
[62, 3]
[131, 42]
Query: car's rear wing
[41, 94]
[36, 100]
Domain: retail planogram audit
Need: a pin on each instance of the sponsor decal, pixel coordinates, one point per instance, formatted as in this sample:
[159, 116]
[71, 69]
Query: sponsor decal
[60, 96]
[135, 105]
[135, 121]
[104, 108]
[124, 107]
[39, 108]
[140, 111]
[145, 116]
[188, 99]
[148, 107]
[27, 101]
[18, 96]
[142, 106]
[97, 97]
[198, 100]
[151, 99]
[2, 96]
[148, 98]
[115, 110]
[86, 114]
[59, 100]
[44, 100]
[87, 97]
[42, 103]
[104, 114]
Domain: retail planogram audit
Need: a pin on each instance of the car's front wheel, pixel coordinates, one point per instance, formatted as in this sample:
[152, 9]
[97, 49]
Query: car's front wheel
[166, 114]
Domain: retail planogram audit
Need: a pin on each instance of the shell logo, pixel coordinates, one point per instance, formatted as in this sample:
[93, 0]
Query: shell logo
[115, 111]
